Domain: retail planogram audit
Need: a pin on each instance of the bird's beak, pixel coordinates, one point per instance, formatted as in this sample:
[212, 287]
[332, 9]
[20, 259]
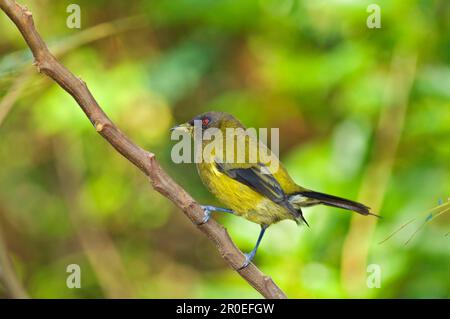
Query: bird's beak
[186, 127]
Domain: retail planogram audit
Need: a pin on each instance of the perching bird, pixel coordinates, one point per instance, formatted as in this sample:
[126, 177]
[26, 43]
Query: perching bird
[255, 191]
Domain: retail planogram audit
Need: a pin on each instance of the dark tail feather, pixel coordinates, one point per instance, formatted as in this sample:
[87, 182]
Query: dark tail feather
[339, 202]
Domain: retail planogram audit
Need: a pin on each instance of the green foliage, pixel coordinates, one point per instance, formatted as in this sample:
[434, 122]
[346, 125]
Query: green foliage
[311, 68]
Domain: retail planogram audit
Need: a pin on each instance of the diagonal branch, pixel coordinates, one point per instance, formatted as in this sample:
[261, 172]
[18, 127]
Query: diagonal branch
[145, 161]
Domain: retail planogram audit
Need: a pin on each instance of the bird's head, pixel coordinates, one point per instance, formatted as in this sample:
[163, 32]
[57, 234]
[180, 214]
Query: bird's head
[218, 120]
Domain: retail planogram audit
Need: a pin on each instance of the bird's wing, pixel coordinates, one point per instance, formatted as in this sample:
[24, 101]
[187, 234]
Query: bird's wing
[259, 179]
[251, 176]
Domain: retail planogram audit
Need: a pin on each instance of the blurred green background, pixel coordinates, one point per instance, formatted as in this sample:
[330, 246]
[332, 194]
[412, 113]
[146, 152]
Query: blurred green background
[363, 113]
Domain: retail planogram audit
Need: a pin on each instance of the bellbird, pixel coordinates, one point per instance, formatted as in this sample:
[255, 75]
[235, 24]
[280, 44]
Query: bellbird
[255, 191]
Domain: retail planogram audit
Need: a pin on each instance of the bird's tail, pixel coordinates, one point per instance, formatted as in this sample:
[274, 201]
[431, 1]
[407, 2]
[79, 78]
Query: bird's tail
[311, 198]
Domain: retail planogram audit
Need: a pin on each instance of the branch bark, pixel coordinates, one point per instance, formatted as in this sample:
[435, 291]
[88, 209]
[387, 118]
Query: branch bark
[46, 63]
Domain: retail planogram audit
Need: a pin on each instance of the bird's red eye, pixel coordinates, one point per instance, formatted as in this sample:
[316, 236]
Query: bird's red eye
[205, 121]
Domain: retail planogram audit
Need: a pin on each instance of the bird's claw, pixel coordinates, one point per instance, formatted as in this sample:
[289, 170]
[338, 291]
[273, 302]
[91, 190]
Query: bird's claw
[207, 215]
[248, 261]
[208, 211]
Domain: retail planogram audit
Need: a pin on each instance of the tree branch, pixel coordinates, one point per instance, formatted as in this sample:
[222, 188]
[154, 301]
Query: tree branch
[145, 161]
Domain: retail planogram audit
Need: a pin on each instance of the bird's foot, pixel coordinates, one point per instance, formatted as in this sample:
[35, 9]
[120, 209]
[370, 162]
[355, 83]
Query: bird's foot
[208, 211]
[206, 216]
[248, 260]
[249, 256]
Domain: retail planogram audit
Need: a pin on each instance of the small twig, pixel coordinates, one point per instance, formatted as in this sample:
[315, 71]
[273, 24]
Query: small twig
[145, 161]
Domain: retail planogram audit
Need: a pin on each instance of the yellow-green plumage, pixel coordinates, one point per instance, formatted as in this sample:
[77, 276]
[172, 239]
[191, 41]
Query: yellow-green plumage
[240, 198]
[249, 200]
[257, 190]
[243, 200]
